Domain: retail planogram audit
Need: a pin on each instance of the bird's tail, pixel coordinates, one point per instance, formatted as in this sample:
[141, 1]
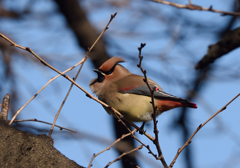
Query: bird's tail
[189, 104]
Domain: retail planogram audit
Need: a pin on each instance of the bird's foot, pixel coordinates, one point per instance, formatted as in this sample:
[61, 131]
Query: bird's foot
[141, 131]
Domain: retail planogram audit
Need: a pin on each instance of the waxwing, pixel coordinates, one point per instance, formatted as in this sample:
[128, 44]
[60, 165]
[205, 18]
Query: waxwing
[129, 94]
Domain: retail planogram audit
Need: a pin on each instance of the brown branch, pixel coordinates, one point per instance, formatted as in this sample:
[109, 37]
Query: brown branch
[85, 58]
[5, 107]
[108, 148]
[15, 121]
[199, 127]
[228, 43]
[196, 7]
[125, 153]
[155, 141]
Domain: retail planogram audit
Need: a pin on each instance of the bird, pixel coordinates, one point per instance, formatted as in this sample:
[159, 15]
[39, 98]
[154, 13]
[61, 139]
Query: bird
[129, 94]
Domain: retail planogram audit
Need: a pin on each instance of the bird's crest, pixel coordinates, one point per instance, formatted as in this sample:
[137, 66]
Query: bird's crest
[110, 63]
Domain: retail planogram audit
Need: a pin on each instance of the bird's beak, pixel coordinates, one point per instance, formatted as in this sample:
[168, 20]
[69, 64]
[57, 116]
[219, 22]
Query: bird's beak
[100, 78]
[97, 70]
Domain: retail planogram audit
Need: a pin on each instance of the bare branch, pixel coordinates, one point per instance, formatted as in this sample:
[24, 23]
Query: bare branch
[196, 7]
[5, 107]
[108, 148]
[125, 153]
[15, 121]
[155, 141]
[228, 43]
[199, 127]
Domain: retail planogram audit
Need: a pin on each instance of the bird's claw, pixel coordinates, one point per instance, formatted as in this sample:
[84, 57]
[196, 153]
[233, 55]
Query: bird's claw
[141, 131]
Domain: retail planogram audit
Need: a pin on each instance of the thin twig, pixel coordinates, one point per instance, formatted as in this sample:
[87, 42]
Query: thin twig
[125, 153]
[199, 127]
[52, 79]
[15, 121]
[85, 58]
[108, 148]
[196, 7]
[156, 141]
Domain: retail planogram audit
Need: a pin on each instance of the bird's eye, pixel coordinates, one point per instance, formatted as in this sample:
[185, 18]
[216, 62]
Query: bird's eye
[111, 70]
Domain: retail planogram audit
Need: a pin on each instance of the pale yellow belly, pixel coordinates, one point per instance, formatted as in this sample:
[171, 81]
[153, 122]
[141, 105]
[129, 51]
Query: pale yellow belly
[135, 108]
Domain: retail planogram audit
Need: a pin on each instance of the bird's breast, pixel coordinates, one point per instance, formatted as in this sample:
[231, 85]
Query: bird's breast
[135, 108]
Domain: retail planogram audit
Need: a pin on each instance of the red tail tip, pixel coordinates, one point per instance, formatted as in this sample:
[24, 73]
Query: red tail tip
[192, 105]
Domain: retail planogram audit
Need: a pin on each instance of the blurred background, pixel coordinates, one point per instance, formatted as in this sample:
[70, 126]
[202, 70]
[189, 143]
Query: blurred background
[176, 39]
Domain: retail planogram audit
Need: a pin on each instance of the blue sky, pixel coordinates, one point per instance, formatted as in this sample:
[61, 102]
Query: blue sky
[216, 145]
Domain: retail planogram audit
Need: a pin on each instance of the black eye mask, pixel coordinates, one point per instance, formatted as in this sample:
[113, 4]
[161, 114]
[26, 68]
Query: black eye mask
[110, 71]
[101, 77]
[101, 74]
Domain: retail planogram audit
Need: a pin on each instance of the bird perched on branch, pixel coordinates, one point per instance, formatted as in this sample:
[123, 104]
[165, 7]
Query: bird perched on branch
[129, 94]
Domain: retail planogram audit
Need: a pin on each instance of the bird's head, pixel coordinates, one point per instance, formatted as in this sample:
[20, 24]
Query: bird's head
[109, 71]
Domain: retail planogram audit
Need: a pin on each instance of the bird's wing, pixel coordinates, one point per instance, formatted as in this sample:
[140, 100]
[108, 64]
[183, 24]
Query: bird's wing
[158, 94]
[134, 84]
